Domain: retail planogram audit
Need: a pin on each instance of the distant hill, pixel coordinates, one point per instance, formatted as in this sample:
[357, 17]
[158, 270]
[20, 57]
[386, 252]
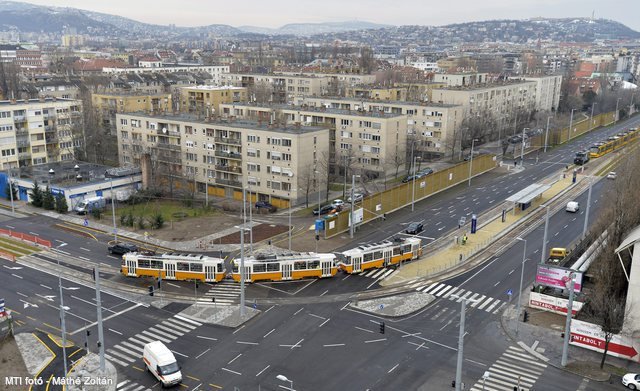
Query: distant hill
[314, 28]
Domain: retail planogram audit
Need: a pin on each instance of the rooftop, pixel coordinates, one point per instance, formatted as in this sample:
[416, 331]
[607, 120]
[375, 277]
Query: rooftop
[307, 109]
[379, 101]
[65, 174]
[233, 123]
[212, 88]
[33, 101]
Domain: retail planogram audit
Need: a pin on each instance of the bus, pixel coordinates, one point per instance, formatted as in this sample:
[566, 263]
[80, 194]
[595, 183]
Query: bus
[379, 255]
[173, 266]
[285, 267]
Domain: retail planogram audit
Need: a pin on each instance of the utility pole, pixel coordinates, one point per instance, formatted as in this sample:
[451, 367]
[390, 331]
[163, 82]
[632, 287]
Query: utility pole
[471, 161]
[571, 124]
[99, 319]
[522, 150]
[460, 346]
[413, 191]
[353, 222]
[13, 210]
[113, 214]
[616, 117]
[567, 327]
[62, 323]
[544, 240]
[546, 136]
[250, 222]
[524, 255]
[290, 223]
[586, 214]
[244, 214]
[593, 106]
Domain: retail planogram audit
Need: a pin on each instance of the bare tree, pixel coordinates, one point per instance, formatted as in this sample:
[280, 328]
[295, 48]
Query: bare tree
[306, 181]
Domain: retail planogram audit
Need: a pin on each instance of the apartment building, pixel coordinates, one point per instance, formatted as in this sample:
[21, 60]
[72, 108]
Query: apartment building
[460, 79]
[282, 88]
[206, 100]
[376, 93]
[216, 71]
[107, 105]
[39, 131]
[367, 143]
[276, 163]
[430, 124]
[547, 91]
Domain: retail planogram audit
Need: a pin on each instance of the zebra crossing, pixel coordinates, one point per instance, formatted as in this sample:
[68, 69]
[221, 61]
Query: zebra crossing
[128, 385]
[476, 300]
[514, 368]
[226, 292]
[378, 274]
[128, 352]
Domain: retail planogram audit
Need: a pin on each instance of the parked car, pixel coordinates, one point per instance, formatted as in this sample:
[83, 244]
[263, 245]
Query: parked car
[425, 171]
[326, 209]
[338, 203]
[414, 228]
[357, 197]
[121, 248]
[612, 175]
[411, 178]
[631, 381]
[265, 205]
[573, 207]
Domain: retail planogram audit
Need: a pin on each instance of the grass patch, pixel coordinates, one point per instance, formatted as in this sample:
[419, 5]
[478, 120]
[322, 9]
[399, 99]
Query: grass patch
[14, 246]
[170, 210]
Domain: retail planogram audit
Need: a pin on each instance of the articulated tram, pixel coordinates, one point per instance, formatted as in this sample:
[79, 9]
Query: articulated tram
[172, 266]
[286, 267]
[380, 255]
[613, 143]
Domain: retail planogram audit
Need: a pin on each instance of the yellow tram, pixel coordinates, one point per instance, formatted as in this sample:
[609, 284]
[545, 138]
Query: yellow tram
[286, 267]
[380, 255]
[172, 266]
[613, 143]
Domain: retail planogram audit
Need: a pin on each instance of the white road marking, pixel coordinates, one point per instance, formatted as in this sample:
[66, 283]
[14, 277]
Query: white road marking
[247, 343]
[235, 358]
[114, 331]
[212, 339]
[15, 275]
[44, 286]
[265, 368]
[333, 345]
[360, 328]
[391, 370]
[85, 249]
[234, 372]
[267, 334]
[375, 340]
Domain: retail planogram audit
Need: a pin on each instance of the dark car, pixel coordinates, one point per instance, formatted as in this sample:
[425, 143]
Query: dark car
[122, 248]
[327, 209]
[265, 205]
[414, 228]
[413, 177]
[426, 171]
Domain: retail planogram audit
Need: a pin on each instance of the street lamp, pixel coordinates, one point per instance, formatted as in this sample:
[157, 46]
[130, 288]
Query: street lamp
[113, 214]
[413, 191]
[593, 106]
[631, 105]
[290, 206]
[316, 173]
[571, 124]
[284, 378]
[13, 210]
[546, 136]
[522, 149]
[464, 302]
[617, 101]
[473, 141]
[353, 222]
[524, 254]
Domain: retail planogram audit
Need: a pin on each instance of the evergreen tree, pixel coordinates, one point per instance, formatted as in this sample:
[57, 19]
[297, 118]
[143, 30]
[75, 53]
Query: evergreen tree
[36, 195]
[61, 204]
[11, 189]
[48, 202]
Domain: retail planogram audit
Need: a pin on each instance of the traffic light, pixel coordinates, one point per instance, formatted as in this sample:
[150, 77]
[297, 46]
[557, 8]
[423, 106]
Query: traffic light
[381, 327]
[93, 274]
[150, 290]
[525, 316]
[317, 237]
[213, 299]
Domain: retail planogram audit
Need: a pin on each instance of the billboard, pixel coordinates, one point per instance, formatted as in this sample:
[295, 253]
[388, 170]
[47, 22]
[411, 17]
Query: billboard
[558, 277]
[590, 336]
[557, 305]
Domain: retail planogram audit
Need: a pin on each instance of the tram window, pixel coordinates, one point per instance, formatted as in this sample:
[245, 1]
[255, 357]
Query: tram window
[406, 248]
[300, 265]
[348, 260]
[259, 268]
[196, 267]
[396, 251]
[219, 268]
[367, 257]
[235, 268]
[157, 265]
[183, 266]
[313, 264]
[144, 263]
[273, 267]
[377, 255]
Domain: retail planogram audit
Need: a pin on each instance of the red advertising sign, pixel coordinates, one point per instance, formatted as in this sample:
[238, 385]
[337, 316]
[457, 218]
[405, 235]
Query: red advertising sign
[590, 336]
[554, 304]
[558, 277]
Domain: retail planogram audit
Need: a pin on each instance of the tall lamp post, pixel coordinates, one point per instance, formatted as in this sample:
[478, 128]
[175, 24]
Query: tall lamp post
[316, 173]
[413, 191]
[593, 106]
[461, 333]
[13, 210]
[546, 135]
[522, 149]
[617, 116]
[473, 141]
[290, 205]
[353, 222]
[631, 105]
[571, 124]
[524, 255]
[113, 213]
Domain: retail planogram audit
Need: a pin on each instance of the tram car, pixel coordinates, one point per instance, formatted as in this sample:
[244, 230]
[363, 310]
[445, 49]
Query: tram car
[173, 266]
[286, 267]
[379, 255]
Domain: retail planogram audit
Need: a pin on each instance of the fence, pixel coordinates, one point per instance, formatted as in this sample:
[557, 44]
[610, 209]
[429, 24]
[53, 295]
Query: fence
[26, 237]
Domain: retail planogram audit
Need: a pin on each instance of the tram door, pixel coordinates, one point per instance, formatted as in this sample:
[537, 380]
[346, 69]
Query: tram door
[131, 268]
[209, 273]
[247, 274]
[171, 270]
[286, 271]
[387, 256]
[326, 268]
[357, 264]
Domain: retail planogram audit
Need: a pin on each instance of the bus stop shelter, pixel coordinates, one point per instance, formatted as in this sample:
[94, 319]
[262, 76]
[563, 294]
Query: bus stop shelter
[522, 199]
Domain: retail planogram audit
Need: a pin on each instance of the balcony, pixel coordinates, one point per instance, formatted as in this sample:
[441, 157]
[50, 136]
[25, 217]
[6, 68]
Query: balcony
[229, 140]
[228, 182]
[24, 155]
[231, 155]
[233, 169]
[19, 118]
[172, 147]
[51, 140]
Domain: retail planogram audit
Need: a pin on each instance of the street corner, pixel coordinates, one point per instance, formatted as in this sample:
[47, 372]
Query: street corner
[87, 375]
[35, 353]
[394, 306]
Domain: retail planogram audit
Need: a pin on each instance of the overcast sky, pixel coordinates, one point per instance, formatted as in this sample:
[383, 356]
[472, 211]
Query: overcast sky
[275, 13]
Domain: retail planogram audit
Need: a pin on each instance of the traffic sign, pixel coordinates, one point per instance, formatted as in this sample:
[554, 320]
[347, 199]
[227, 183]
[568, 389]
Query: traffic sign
[1, 305]
[86, 222]
[509, 292]
[381, 306]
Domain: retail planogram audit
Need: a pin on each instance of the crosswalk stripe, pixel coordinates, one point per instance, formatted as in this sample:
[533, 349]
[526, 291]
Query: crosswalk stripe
[441, 286]
[517, 371]
[139, 388]
[369, 273]
[511, 377]
[221, 294]
[393, 272]
[477, 301]
[489, 300]
[495, 303]
[176, 326]
[127, 351]
[132, 346]
[129, 387]
[437, 285]
[425, 288]
[158, 337]
[472, 299]
[120, 355]
[159, 331]
[139, 342]
[501, 383]
[379, 273]
[115, 360]
[524, 356]
[451, 292]
[387, 273]
[193, 322]
[464, 296]
[145, 338]
[122, 383]
[166, 329]
[499, 308]
[440, 293]
[526, 360]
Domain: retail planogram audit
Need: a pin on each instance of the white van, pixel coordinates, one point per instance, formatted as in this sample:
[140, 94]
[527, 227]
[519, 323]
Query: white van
[573, 206]
[162, 363]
